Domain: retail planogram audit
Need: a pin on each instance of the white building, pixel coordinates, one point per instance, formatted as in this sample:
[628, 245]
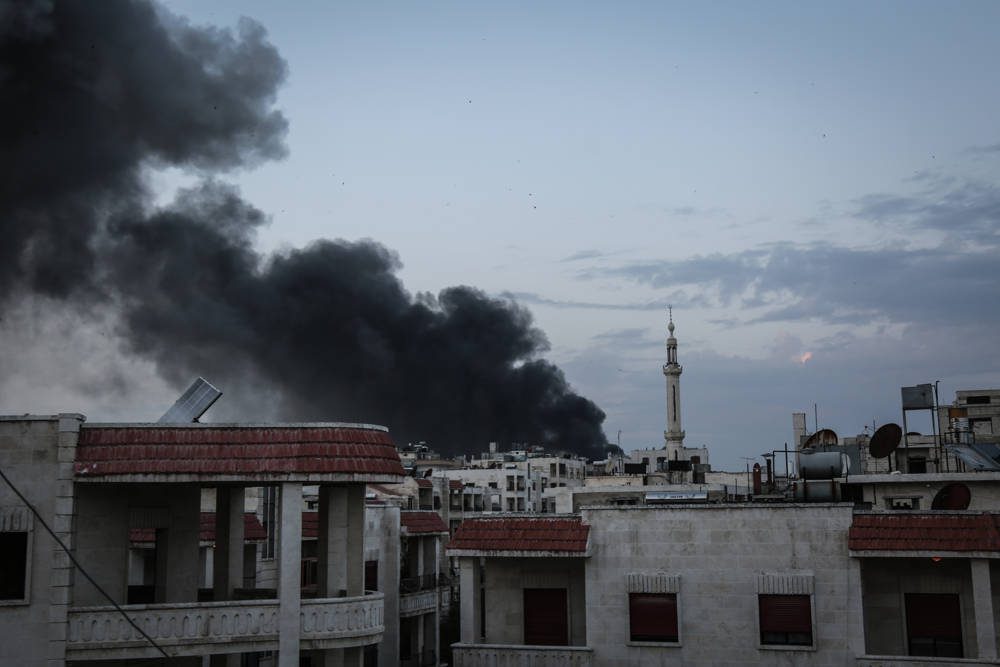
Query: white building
[95, 484]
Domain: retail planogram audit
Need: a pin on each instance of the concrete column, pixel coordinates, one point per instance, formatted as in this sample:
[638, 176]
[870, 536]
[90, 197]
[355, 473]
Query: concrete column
[982, 600]
[855, 620]
[181, 568]
[227, 568]
[289, 575]
[469, 595]
[341, 556]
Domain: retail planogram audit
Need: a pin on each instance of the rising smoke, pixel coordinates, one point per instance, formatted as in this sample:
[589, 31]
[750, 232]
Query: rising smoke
[96, 94]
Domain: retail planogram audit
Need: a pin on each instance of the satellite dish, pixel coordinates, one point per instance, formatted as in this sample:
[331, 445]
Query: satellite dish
[953, 496]
[885, 440]
[824, 436]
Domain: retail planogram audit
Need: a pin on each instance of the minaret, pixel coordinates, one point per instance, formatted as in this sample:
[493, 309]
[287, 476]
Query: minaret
[673, 436]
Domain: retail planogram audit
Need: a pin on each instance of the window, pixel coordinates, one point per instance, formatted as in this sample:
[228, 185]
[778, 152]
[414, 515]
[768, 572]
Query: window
[510, 504]
[546, 617]
[13, 565]
[371, 575]
[785, 620]
[270, 521]
[934, 625]
[652, 617]
[510, 482]
[977, 400]
[520, 504]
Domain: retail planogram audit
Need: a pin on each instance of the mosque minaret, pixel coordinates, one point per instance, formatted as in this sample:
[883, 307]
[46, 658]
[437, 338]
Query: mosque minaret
[674, 435]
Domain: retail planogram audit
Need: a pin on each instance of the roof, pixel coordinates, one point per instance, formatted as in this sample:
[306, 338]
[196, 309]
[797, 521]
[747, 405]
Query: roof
[253, 531]
[424, 483]
[455, 484]
[421, 522]
[520, 536]
[937, 532]
[270, 452]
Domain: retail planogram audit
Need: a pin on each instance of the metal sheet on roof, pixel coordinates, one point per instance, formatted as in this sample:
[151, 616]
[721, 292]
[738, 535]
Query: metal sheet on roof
[676, 496]
[192, 404]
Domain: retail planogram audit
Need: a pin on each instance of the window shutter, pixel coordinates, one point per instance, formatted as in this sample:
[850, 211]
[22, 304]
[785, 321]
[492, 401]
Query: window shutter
[785, 613]
[652, 617]
[934, 616]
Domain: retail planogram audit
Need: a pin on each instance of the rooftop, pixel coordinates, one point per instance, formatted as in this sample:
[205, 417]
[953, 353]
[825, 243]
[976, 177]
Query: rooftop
[925, 532]
[514, 536]
[312, 452]
[421, 522]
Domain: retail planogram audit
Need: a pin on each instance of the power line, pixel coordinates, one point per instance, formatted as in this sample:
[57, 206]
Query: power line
[79, 567]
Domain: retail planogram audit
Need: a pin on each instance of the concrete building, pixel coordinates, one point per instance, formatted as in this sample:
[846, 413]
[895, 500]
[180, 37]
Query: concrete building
[730, 584]
[94, 484]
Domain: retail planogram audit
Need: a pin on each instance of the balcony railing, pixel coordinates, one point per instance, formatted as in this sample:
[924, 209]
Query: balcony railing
[190, 629]
[514, 655]
[414, 604]
[917, 661]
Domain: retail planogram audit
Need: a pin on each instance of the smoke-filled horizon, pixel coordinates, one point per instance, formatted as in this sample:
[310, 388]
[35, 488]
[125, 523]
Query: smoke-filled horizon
[99, 93]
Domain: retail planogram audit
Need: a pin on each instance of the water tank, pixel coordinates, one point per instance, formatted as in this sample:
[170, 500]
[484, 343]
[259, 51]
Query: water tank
[820, 465]
[817, 491]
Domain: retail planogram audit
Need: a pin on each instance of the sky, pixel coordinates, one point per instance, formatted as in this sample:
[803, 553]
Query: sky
[812, 187]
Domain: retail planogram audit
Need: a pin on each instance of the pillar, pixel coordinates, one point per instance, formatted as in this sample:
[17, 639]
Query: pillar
[227, 569]
[469, 595]
[341, 557]
[227, 566]
[289, 576]
[982, 600]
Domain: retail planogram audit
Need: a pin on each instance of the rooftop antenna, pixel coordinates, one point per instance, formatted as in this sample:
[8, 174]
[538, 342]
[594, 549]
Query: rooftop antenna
[192, 404]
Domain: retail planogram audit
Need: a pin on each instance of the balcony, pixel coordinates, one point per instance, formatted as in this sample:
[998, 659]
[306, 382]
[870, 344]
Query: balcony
[204, 628]
[514, 655]
[919, 661]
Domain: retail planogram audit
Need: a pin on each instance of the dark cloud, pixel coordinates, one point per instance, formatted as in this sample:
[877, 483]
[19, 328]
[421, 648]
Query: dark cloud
[94, 93]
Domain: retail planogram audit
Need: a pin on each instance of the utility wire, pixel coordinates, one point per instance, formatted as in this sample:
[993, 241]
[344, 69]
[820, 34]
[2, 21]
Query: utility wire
[80, 567]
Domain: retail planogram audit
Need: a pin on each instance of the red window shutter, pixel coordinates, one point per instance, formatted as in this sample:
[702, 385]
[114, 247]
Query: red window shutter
[785, 613]
[652, 617]
[935, 616]
[546, 617]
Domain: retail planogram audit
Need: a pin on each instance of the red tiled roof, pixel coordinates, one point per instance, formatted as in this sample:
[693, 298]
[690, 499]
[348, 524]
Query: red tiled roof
[455, 484]
[925, 532]
[253, 531]
[424, 483]
[422, 522]
[234, 450]
[521, 534]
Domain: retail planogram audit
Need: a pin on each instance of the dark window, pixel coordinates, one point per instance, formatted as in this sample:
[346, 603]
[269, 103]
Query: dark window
[934, 625]
[270, 521]
[652, 617]
[785, 619]
[13, 565]
[545, 617]
[917, 464]
[371, 575]
[977, 400]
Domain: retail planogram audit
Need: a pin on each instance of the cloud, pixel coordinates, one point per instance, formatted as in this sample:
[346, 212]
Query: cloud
[898, 282]
[676, 298]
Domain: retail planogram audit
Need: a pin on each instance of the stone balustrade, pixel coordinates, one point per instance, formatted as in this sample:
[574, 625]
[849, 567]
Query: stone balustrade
[413, 604]
[919, 661]
[513, 655]
[204, 628]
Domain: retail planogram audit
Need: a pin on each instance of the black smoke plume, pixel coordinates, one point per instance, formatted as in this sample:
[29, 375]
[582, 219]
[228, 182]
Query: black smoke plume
[96, 94]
